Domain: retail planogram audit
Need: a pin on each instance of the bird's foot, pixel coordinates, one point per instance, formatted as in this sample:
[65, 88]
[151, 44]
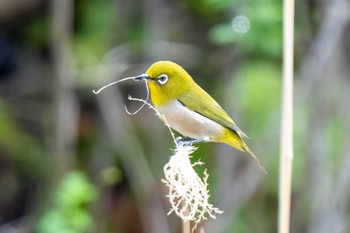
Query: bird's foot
[183, 142]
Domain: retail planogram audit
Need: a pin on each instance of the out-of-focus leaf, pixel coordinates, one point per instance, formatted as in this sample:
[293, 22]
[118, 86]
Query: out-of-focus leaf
[75, 190]
[69, 212]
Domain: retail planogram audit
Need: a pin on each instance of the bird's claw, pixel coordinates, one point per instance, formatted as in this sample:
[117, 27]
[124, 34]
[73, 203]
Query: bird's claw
[182, 142]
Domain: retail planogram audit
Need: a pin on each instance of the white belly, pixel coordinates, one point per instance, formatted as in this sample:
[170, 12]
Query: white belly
[189, 123]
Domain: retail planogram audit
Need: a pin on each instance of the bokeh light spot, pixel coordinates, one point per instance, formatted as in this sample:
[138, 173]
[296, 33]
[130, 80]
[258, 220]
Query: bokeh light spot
[240, 24]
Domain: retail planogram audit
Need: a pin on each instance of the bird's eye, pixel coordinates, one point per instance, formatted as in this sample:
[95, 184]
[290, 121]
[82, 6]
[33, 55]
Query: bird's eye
[162, 79]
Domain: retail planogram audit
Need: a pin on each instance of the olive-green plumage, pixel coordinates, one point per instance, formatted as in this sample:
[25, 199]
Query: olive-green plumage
[189, 109]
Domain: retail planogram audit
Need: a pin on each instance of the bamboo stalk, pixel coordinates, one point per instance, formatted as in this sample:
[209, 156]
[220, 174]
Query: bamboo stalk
[286, 159]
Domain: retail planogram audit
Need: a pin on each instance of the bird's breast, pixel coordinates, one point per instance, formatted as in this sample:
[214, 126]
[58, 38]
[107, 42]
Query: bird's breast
[189, 123]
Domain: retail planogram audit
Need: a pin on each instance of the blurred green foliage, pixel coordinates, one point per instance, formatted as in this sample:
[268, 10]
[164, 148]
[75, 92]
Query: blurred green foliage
[264, 19]
[37, 33]
[19, 145]
[95, 20]
[258, 88]
[70, 212]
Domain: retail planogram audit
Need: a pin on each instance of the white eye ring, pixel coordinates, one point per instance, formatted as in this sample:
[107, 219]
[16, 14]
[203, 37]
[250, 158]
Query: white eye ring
[162, 79]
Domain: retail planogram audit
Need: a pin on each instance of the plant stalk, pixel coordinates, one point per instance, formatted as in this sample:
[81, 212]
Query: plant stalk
[286, 160]
[186, 226]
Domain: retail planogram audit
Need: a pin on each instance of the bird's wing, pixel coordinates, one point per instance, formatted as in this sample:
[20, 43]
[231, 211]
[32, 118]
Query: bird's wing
[202, 103]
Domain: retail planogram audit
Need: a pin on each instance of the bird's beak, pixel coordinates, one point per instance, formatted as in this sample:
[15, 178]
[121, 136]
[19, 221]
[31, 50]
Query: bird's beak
[142, 77]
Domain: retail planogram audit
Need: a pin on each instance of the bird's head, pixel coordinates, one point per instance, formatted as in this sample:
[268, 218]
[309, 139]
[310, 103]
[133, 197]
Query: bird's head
[166, 80]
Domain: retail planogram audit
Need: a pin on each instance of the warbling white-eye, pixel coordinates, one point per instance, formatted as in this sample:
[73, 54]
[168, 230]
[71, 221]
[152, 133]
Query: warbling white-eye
[189, 109]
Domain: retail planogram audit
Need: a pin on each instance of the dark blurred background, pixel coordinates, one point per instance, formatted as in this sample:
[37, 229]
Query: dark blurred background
[75, 162]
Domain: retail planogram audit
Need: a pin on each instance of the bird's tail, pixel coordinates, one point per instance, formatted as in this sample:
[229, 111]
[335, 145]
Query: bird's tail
[235, 140]
[251, 153]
